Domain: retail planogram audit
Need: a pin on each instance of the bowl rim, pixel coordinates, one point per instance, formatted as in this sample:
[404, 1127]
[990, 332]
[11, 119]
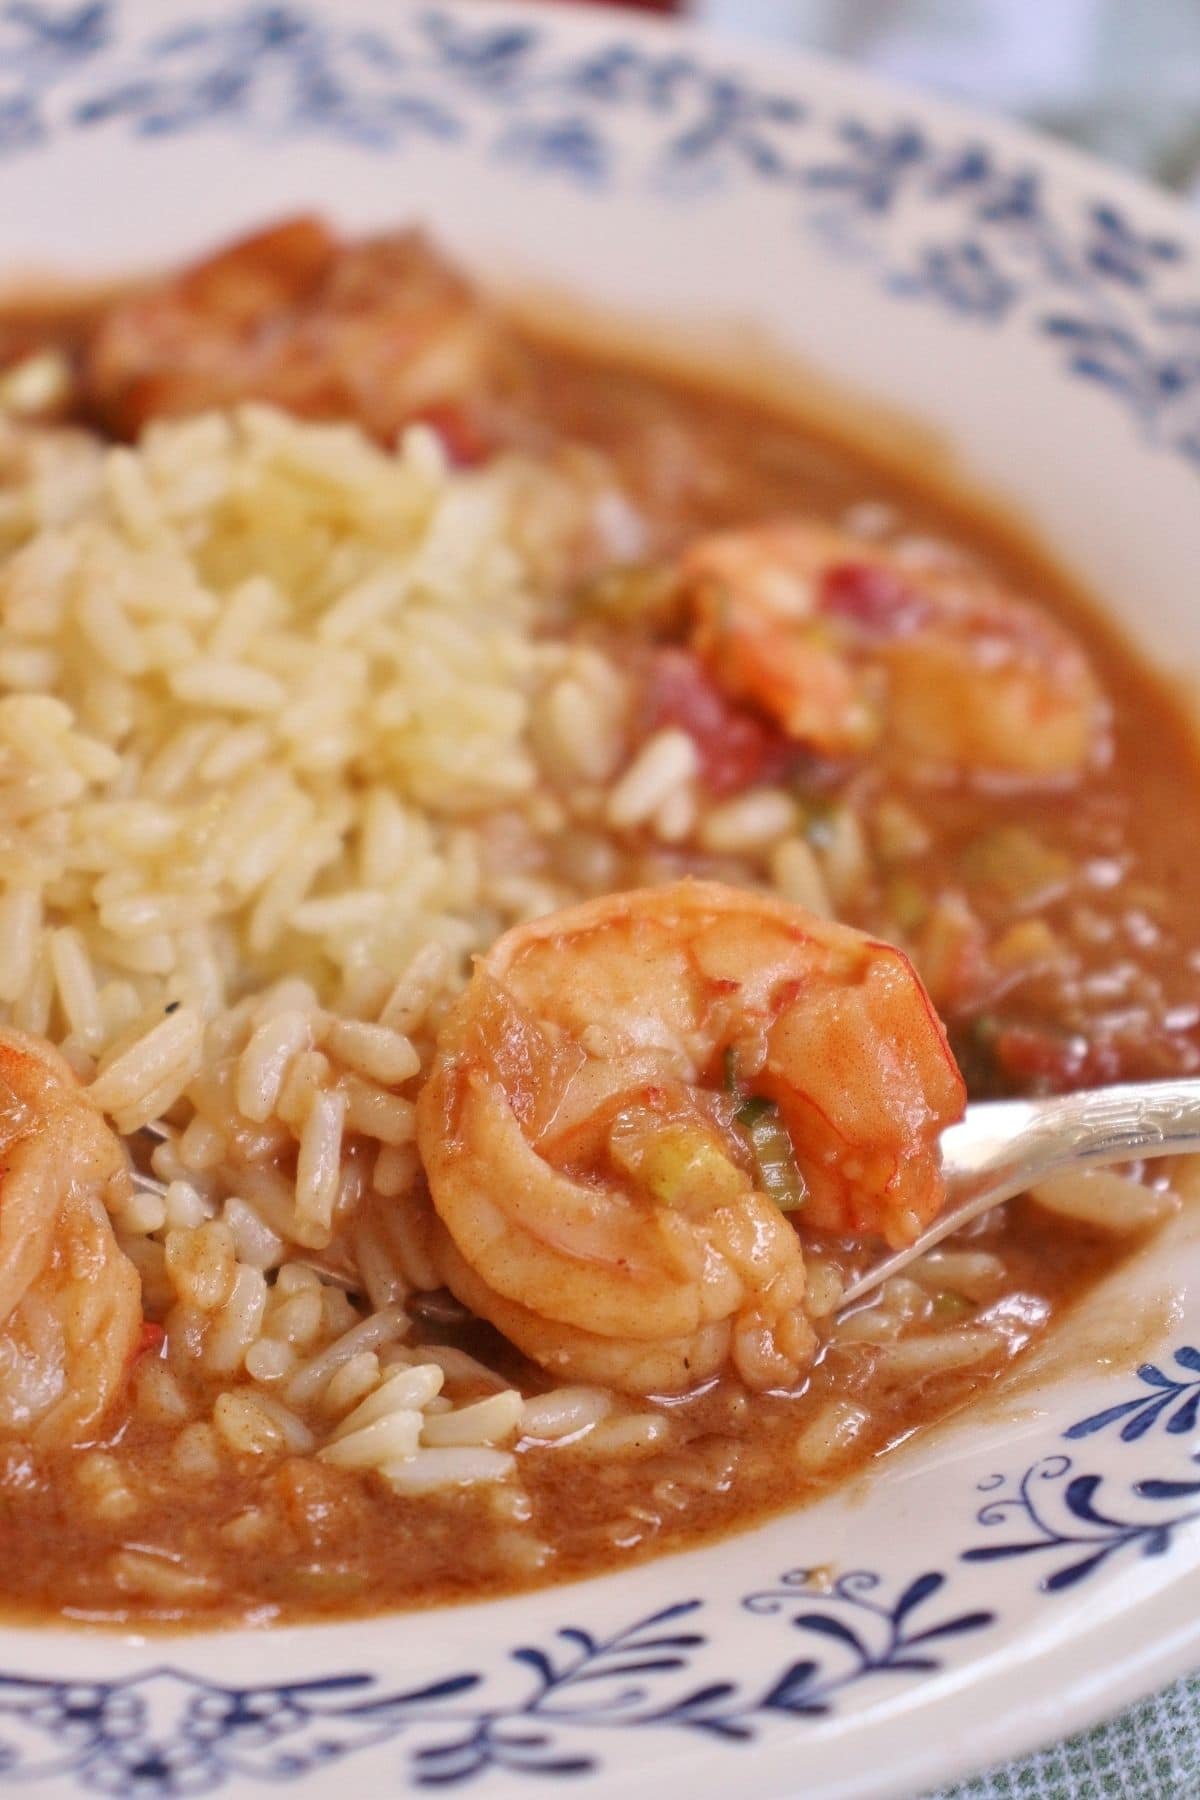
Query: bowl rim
[1161, 1657]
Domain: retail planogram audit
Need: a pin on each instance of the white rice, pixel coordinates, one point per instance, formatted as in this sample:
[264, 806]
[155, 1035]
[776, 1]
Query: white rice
[665, 763]
[1105, 1199]
[751, 822]
[831, 1434]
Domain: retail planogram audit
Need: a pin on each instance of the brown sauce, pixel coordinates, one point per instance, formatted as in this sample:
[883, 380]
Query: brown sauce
[330, 1549]
[1126, 899]
[1117, 887]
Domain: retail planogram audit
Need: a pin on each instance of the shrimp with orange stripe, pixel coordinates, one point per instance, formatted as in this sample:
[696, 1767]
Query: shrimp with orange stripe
[70, 1299]
[851, 648]
[637, 1102]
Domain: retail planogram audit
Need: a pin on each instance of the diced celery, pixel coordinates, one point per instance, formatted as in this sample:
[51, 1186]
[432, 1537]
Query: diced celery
[1015, 862]
[948, 1306]
[907, 902]
[778, 1173]
[639, 593]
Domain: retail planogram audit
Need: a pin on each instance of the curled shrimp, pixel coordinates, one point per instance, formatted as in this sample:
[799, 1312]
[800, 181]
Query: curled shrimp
[70, 1299]
[850, 649]
[595, 1193]
[379, 331]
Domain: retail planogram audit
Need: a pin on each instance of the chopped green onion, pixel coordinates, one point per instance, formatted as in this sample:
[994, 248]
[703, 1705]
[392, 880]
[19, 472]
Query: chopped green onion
[820, 822]
[948, 1305]
[1014, 862]
[973, 1042]
[985, 1026]
[779, 1176]
[907, 902]
[640, 593]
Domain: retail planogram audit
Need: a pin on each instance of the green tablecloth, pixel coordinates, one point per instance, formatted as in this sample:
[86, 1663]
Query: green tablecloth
[1151, 1752]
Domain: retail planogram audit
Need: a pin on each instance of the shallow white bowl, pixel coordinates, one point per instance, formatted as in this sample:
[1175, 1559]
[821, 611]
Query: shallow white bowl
[1015, 1576]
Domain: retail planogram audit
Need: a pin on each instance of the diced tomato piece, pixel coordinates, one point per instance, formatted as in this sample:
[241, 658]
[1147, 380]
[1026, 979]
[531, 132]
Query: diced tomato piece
[875, 598]
[150, 1340]
[737, 749]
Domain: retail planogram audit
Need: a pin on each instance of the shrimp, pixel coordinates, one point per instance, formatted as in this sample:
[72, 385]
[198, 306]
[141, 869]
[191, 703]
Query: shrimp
[595, 1194]
[380, 331]
[70, 1299]
[849, 649]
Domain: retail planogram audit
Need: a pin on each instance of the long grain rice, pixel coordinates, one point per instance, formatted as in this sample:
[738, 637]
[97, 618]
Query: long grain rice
[351, 1383]
[796, 874]
[625, 1435]
[749, 823]
[830, 1435]
[319, 1163]
[264, 1062]
[491, 1421]
[429, 1471]
[381, 1055]
[870, 1324]
[157, 1576]
[584, 720]
[665, 763]
[564, 1412]
[381, 1328]
[254, 1241]
[168, 1055]
[237, 1324]
[384, 1440]
[201, 1264]
[977, 1274]
[1102, 1198]
[937, 1353]
[269, 1360]
[404, 1389]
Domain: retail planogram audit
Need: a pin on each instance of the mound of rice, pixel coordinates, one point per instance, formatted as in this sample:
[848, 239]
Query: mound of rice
[285, 666]
[266, 770]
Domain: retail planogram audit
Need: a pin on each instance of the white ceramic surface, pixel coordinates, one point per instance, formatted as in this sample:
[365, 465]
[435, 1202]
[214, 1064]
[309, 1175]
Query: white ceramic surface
[1010, 1578]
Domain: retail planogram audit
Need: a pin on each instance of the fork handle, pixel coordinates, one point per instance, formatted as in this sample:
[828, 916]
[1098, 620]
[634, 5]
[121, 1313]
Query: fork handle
[1002, 1147]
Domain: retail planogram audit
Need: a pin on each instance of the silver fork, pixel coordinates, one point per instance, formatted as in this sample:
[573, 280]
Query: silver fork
[150, 1184]
[1000, 1148]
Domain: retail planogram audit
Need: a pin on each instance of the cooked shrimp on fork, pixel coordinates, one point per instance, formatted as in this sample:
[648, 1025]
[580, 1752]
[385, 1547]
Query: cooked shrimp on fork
[635, 1103]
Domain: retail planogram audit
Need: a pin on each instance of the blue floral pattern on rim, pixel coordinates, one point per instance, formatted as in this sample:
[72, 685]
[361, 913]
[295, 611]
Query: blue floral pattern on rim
[1069, 1517]
[989, 246]
[951, 224]
[164, 1731]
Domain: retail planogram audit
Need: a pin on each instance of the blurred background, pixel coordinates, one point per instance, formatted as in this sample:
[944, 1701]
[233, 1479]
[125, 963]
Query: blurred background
[1121, 77]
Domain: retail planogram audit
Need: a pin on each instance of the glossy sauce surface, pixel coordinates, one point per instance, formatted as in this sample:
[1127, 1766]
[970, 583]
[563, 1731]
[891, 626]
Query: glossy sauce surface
[1108, 881]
